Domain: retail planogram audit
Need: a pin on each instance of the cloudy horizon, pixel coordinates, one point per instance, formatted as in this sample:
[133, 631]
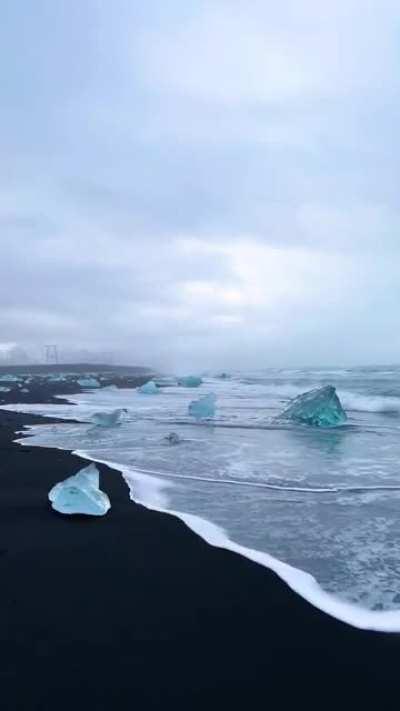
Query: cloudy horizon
[201, 184]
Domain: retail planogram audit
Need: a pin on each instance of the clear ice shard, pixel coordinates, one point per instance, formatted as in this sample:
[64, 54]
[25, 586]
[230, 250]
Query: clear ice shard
[190, 381]
[88, 383]
[320, 407]
[203, 408]
[108, 419]
[149, 388]
[80, 494]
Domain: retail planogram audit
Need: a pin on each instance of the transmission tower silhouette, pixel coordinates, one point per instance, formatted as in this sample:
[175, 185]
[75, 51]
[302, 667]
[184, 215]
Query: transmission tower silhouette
[51, 352]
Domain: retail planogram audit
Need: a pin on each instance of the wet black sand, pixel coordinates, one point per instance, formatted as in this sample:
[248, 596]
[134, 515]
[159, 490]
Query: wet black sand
[134, 611]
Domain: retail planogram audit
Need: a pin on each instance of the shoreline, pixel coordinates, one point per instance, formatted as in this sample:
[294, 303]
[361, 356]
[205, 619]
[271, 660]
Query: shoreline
[137, 607]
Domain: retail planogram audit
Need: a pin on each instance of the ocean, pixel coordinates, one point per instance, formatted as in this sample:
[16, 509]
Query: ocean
[319, 506]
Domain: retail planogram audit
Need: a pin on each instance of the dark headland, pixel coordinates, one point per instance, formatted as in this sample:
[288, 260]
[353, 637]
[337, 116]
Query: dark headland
[134, 611]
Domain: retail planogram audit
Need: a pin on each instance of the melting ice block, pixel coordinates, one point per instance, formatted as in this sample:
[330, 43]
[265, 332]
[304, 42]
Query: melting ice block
[190, 381]
[80, 494]
[88, 383]
[320, 407]
[108, 419]
[149, 388]
[204, 407]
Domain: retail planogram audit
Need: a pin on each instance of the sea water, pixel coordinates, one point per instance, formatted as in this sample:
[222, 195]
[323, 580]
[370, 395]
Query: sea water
[325, 502]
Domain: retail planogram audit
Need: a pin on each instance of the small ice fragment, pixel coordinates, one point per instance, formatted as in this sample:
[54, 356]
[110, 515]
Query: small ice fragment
[320, 407]
[8, 378]
[5, 390]
[172, 438]
[25, 390]
[88, 383]
[149, 388]
[204, 407]
[108, 419]
[190, 381]
[80, 494]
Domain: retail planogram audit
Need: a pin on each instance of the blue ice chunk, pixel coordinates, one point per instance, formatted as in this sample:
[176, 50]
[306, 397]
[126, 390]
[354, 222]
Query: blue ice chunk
[204, 407]
[320, 407]
[80, 494]
[5, 390]
[8, 378]
[149, 388]
[190, 381]
[88, 383]
[108, 419]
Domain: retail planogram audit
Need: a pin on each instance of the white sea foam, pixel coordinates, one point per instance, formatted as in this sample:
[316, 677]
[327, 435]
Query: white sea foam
[354, 402]
[150, 492]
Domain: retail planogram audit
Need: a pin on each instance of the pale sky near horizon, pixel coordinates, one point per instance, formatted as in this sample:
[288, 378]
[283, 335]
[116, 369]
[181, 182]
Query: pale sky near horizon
[201, 184]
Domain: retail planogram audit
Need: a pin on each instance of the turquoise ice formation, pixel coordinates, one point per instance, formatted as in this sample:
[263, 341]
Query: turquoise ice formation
[80, 494]
[7, 378]
[320, 407]
[149, 388]
[88, 383]
[203, 408]
[108, 419]
[190, 381]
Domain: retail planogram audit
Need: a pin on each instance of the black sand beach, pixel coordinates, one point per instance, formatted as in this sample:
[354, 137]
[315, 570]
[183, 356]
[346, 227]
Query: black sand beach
[135, 611]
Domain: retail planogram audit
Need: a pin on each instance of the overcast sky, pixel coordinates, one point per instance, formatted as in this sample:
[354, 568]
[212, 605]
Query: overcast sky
[199, 184]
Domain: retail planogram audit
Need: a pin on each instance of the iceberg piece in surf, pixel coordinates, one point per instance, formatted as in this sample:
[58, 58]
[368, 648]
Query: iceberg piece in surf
[88, 383]
[149, 388]
[5, 390]
[203, 408]
[190, 381]
[108, 419]
[172, 438]
[320, 407]
[80, 494]
[7, 378]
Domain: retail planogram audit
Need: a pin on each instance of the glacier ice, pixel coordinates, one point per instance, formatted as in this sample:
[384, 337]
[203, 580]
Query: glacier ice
[88, 383]
[172, 438]
[108, 419]
[190, 381]
[204, 407]
[320, 407]
[149, 388]
[7, 378]
[80, 494]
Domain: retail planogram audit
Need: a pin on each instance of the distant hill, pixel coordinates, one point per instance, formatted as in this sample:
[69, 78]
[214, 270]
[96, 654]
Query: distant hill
[76, 368]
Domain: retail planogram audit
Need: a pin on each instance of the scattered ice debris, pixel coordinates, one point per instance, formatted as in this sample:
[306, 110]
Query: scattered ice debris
[190, 381]
[172, 438]
[80, 494]
[5, 390]
[108, 419]
[25, 390]
[149, 388]
[204, 407]
[320, 407]
[88, 383]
